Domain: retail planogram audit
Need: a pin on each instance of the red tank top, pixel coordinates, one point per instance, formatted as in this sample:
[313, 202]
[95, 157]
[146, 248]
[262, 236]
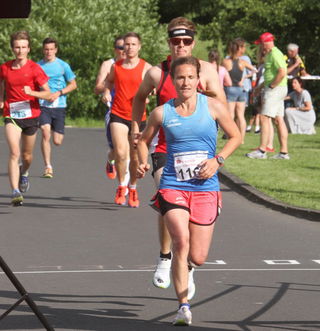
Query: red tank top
[126, 84]
[165, 92]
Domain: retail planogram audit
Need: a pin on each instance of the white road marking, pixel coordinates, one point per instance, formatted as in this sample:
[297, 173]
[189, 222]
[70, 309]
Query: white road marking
[281, 262]
[139, 270]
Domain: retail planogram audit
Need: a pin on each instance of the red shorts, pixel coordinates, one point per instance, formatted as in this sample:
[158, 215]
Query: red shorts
[203, 207]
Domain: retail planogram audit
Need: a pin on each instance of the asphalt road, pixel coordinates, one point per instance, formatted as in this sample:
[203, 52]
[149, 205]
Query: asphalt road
[88, 263]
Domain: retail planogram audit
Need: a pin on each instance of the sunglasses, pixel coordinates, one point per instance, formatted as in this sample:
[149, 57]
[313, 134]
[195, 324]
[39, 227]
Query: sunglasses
[121, 48]
[177, 41]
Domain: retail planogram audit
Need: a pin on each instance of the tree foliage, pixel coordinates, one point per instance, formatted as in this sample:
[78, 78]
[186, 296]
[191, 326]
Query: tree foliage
[85, 30]
[291, 21]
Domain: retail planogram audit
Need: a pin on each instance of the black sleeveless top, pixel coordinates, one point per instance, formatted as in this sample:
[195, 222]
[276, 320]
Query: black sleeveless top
[235, 73]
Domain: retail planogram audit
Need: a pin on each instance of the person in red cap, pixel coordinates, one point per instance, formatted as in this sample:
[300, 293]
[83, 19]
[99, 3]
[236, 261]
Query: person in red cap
[275, 90]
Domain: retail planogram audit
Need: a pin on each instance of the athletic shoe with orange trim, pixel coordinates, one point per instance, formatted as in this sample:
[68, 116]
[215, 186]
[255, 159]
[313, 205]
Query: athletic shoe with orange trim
[120, 198]
[111, 170]
[133, 198]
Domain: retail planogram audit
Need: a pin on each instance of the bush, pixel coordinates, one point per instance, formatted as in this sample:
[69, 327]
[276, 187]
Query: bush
[85, 30]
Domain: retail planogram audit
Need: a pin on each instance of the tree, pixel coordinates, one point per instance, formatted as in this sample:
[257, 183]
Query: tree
[85, 30]
[290, 21]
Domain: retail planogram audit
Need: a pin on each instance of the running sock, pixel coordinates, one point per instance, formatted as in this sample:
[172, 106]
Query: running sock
[184, 305]
[133, 187]
[166, 256]
[15, 191]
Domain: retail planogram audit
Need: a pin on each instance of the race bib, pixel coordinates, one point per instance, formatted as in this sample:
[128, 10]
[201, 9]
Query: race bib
[20, 109]
[186, 164]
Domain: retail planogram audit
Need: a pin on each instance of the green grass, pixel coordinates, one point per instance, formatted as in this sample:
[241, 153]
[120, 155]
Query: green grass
[295, 181]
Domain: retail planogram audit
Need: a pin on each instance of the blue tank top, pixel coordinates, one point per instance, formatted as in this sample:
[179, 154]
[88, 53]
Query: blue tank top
[189, 141]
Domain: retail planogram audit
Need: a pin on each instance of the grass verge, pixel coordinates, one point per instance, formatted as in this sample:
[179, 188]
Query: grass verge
[295, 181]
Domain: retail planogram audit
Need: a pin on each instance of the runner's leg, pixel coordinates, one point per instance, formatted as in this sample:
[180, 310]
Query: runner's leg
[13, 136]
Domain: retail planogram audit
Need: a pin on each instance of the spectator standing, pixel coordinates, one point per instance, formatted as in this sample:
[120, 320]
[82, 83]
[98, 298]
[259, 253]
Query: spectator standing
[236, 94]
[224, 77]
[275, 90]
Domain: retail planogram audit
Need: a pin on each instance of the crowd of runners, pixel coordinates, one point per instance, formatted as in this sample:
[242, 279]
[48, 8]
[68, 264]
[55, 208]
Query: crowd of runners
[180, 135]
[32, 95]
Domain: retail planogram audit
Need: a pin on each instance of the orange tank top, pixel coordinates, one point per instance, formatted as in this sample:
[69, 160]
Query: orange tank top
[126, 85]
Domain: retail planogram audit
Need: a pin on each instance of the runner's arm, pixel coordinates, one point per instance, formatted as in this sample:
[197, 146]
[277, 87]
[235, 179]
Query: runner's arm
[43, 94]
[1, 93]
[139, 103]
[72, 85]
[153, 125]
[102, 76]
[212, 83]
[106, 97]
[219, 112]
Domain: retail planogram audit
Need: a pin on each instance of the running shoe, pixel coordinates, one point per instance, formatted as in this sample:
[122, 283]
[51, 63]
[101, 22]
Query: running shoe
[161, 276]
[48, 173]
[191, 285]
[183, 317]
[111, 170]
[24, 183]
[281, 156]
[120, 198]
[271, 150]
[17, 199]
[257, 154]
[133, 198]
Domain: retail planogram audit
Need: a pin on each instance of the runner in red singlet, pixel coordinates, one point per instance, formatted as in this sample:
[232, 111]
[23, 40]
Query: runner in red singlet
[126, 76]
[181, 34]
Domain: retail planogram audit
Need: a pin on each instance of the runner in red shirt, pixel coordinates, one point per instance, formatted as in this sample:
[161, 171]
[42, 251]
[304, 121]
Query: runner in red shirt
[126, 76]
[181, 34]
[24, 82]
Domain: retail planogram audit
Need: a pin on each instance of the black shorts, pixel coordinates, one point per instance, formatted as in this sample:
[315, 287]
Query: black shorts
[53, 116]
[28, 126]
[118, 119]
[158, 161]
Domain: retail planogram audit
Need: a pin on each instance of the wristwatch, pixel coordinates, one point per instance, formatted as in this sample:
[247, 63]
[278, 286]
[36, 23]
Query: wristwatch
[220, 160]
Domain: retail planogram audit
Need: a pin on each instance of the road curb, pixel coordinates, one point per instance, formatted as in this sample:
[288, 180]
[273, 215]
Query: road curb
[256, 196]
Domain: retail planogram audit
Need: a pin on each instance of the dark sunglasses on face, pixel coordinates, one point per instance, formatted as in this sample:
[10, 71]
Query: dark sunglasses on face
[177, 41]
[121, 48]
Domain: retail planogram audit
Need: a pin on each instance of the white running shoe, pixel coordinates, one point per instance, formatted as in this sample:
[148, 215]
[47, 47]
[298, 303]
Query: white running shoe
[280, 156]
[256, 154]
[161, 277]
[191, 285]
[183, 317]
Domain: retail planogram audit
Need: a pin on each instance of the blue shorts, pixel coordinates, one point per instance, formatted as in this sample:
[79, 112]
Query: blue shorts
[53, 116]
[235, 94]
[107, 126]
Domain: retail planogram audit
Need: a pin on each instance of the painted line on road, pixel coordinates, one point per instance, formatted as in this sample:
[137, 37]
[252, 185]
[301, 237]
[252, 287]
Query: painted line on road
[151, 270]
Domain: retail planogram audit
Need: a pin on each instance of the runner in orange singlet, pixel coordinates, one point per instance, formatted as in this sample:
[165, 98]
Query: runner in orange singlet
[126, 76]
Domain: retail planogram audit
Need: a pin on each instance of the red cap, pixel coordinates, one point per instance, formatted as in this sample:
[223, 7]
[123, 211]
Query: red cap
[264, 38]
